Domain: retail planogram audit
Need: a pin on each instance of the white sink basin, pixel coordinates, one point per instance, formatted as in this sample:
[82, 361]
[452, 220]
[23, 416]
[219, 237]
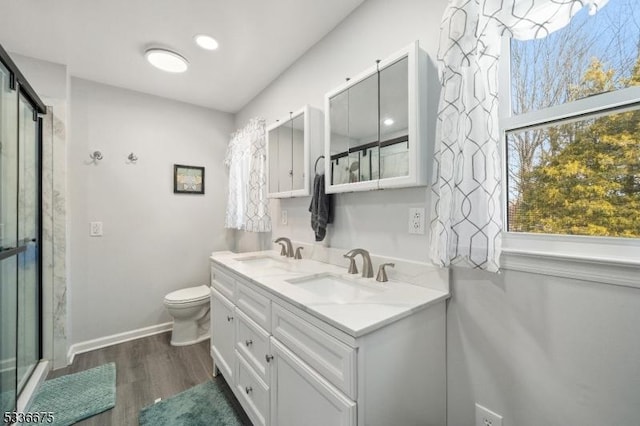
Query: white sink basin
[266, 262]
[334, 288]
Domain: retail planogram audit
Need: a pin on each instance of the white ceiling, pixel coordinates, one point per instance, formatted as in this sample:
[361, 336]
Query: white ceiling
[104, 41]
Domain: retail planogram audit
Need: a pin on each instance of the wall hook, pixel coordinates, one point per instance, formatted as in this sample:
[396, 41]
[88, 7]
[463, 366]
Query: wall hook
[96, 155]
[132, 157]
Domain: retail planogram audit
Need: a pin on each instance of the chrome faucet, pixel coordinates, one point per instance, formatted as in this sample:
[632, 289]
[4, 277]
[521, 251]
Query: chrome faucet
[287, 250]
[367, 268]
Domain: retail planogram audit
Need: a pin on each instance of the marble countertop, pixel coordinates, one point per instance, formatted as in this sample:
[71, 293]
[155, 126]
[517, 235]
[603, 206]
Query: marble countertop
[371, 305]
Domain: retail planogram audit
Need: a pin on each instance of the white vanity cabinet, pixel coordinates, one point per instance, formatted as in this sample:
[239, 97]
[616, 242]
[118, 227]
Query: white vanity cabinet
[288, 144]
[287, 366]
[375, 126]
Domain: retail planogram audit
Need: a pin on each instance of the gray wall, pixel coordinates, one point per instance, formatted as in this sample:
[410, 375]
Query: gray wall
[374, 31]
[536, 349]
[154, 241]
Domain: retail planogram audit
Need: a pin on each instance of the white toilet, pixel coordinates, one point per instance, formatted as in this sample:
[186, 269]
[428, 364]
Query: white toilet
[189, 308]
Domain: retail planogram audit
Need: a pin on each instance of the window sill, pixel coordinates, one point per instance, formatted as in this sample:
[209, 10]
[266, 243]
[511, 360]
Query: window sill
[603, 260]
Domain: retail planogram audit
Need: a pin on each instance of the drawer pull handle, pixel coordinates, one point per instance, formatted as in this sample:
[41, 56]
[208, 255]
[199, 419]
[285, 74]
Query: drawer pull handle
[268, 357]
[248, 390]
[229, 318]
[248, 342]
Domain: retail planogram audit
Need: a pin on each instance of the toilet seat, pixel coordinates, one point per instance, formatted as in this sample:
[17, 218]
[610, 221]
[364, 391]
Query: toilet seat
[188, 295]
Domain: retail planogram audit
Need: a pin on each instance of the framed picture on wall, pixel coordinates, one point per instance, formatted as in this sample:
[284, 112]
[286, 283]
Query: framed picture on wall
[188, 179]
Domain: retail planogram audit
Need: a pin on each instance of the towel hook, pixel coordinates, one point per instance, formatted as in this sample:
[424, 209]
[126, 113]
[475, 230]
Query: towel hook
[132, 157]
[315, 166]
[96, 155]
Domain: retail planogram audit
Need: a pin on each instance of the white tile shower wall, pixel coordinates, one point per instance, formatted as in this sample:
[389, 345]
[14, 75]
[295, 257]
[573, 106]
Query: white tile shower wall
[54, 211]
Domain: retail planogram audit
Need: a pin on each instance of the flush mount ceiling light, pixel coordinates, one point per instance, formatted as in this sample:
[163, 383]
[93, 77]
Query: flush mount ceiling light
[388, 121]
[166, 60]
[206, 42]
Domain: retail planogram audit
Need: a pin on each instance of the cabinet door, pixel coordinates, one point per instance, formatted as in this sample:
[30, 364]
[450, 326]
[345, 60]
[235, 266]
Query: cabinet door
[273, 148]
[223, 335]
[300, 396]
[298, 159]
[285, 159]
[363, 130]
[394, 119]
[353, 136]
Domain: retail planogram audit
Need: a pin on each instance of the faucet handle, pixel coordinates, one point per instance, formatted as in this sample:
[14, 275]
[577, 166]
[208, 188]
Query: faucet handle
[382, 273]
[298, 254]
[353, 269]
[283, 249]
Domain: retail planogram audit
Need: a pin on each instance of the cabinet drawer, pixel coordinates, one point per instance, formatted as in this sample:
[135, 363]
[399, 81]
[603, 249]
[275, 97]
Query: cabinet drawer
[254, 305]
[252, 392]
[223, 282]
[253, 343]
[331, 358]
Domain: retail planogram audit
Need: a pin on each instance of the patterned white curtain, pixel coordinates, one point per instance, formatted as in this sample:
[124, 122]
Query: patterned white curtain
[248, 205]
[466, 217]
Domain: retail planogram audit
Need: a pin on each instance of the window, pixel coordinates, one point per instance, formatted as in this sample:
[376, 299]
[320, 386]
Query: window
[573, 139]
[572, 135]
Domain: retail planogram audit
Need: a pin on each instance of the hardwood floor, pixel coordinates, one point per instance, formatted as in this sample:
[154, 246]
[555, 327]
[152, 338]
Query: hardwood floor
[147, 369]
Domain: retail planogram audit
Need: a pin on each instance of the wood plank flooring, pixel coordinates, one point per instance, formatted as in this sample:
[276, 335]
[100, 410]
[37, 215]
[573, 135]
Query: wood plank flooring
[147, 369]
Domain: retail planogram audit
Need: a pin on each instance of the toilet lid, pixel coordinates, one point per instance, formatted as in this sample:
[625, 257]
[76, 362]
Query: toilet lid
[190, 294]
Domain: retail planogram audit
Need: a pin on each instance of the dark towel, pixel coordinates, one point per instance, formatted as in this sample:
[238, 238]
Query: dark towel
[321, 208]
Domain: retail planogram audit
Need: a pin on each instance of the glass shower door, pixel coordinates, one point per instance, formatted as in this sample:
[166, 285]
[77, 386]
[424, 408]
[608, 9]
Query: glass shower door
[8, 240]
[28, 226]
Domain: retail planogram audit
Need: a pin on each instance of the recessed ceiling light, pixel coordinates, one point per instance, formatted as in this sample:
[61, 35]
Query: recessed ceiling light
[388, 121]
[206, 42]
[166, 60]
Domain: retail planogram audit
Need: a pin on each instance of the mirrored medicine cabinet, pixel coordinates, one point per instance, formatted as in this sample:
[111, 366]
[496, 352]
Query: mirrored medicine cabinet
[288, 142]
[374, 129]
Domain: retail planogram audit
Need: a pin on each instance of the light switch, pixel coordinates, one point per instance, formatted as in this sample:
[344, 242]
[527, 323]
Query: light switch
[96, 229]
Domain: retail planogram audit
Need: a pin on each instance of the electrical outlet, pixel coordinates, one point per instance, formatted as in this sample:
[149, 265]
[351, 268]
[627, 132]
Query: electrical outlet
[416, 221]
[284, 219]
[95, 229]
[486, 417]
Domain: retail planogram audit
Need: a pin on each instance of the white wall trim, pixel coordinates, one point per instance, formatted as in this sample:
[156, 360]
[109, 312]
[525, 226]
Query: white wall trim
[114, 339]
[606, 271]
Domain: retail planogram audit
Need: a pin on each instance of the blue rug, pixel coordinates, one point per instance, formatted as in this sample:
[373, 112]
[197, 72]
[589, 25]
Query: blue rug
[202, 405]
[77, 396]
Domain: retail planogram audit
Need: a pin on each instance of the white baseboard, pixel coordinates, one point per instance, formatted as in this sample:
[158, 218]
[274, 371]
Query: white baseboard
[103, 342]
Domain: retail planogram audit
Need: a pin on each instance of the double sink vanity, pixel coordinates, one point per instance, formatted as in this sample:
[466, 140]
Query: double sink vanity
[312, 341]
[303, 341]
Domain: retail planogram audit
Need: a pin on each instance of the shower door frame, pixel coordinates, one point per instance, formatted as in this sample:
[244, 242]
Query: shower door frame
[27, 94]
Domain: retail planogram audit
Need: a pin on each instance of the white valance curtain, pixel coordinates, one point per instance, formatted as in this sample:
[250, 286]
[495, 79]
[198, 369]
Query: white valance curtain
[248, 205]
[466, 217]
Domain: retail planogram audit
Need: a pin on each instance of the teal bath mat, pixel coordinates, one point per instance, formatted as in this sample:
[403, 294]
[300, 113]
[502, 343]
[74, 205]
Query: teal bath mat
[77, 396]
[202, 405]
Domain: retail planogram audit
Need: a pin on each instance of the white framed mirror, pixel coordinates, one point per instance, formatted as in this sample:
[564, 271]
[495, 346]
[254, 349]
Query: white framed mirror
[374, 132]
[288, 142]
